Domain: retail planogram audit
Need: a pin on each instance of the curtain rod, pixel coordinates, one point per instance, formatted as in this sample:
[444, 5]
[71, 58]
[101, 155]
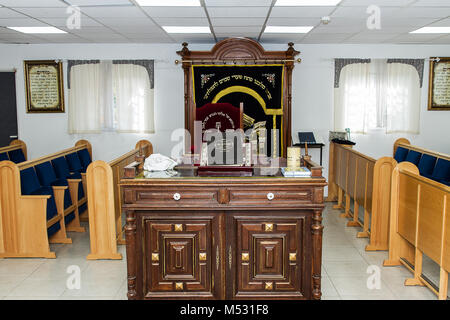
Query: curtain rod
[231, 61]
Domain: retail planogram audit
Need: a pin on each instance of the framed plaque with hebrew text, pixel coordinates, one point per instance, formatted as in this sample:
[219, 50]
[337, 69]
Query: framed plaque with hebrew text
[44, 86]
[439, 87]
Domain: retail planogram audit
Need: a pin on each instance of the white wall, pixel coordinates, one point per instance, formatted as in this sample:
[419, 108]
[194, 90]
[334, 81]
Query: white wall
[312, 96]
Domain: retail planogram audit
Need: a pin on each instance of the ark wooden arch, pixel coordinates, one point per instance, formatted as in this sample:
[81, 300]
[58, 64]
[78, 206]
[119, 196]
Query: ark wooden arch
[238, 50]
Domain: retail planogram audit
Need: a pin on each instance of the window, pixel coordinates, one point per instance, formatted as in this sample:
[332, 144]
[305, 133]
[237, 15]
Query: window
[378, 95]
[109, 96]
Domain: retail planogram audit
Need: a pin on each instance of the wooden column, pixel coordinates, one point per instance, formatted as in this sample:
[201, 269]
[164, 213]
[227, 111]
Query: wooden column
[130, 233]
[317, 230]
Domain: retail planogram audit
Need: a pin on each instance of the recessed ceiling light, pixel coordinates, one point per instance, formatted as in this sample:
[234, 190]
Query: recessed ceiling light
[37, 29]
[280, 29]
[311, 3]
[432, 30]
[169, 3]
[178, 29]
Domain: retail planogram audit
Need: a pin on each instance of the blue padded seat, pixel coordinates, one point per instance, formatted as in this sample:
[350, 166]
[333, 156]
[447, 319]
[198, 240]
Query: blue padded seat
[16, 156]
[82, 208]
[426, 165]
[47, 177]
[62, 172]
[4, 156]
[74, 163]
[30, 186]
[413, 157]
[53, 229]
[85, 158]
[441, 172]
[400, 154]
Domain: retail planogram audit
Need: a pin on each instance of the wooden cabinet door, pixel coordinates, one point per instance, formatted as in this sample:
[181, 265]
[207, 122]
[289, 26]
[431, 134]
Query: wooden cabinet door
[181, 257]
[267, 256]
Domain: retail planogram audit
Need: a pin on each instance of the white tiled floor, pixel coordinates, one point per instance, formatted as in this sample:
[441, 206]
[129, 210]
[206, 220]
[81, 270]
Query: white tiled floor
[344, 272]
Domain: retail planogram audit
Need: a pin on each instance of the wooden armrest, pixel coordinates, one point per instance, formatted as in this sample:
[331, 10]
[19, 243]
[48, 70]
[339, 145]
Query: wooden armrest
[73, 180]
[36, 197]
[55, 188]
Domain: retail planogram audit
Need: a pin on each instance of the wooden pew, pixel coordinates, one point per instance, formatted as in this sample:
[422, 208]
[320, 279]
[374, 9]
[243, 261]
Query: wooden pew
[366, 181]
[419, 224]
[23, 218]
[105, 201]
[346, 177]
[14, 146]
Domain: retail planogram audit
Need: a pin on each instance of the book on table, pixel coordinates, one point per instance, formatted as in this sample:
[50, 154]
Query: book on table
[296, 172]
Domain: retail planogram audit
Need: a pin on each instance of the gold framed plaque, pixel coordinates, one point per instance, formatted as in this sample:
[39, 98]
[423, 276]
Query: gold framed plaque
[44, 86]
[439, 86]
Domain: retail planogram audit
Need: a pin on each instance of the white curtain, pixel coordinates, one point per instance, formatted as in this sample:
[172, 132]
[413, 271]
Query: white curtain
[378, 95]
[85, 108]
[110, 97]
[133, 99]
[351, 98]
[403, 99]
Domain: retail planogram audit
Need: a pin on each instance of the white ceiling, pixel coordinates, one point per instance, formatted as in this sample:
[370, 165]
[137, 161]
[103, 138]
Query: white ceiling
[123, 21]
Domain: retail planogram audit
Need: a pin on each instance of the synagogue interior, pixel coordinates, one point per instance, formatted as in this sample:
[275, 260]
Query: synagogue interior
[224, 150]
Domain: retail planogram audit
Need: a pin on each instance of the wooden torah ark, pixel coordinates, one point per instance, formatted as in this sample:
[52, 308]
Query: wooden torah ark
[224, 238]
[238, 51]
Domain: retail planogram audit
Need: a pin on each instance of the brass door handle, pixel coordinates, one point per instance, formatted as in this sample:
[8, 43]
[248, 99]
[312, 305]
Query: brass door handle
[230, 257]
[217, 258]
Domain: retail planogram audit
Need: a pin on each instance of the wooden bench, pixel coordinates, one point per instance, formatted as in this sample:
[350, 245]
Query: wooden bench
[39, 202]
[105, 201]
[15, 152]
[419, 224]
[367, 182]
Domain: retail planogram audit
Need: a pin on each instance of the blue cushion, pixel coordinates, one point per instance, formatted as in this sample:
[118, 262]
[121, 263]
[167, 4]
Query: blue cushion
[441, 171]
[82, 208]
[413, 157]
[4, 156]
[426, 165]
[51, 205]
[69, 218]
[46, 174]
[16, 156]
[29, 181]
[61, 168]
[85, 158]
[74, 162]
[400, 154]
[47, 177]
[53, 229]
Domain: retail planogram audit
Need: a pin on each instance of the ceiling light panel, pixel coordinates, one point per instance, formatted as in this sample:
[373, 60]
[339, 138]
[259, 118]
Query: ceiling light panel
[175, 12]
[97, 2]
[41, 30]
[186, 29]
[285, 29]
[32, 3]
[432, 30]
[238, 3]
[309, 3]
[238, 12]
[301, 12]
[169, 3]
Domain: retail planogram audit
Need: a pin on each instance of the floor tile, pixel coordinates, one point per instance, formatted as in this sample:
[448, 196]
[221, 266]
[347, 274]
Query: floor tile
[9, 283]
[19, 266]
[346, 286]
[346, 268]
[39, 288]
[341, 254]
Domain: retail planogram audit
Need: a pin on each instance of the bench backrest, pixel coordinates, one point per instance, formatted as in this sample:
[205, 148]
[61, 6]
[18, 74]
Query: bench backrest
[15, 152]
[431, 164]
